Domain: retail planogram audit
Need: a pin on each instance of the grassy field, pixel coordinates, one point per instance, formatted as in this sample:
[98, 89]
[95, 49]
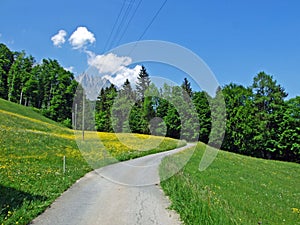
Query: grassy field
[31, 158]
[235, 189]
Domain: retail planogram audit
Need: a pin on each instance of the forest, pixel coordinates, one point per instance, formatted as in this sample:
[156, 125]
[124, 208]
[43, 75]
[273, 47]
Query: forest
[260, 120]
[45, 86]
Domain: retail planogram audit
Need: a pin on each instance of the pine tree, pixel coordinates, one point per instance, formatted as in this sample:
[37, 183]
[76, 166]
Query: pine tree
[103, 108]
[143, 83]
[186, 86]
[122, 107]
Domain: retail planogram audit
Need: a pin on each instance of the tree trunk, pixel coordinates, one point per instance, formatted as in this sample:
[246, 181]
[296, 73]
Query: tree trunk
[21, 97]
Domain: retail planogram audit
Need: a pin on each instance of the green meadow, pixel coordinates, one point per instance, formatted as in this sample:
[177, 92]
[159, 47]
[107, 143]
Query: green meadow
[234, 189]
[32, 148]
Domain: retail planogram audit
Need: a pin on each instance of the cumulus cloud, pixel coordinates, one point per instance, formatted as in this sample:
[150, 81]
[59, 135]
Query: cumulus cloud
[59, 38]
[80, 37]
[109, 63]
[109, 66]
[123, 74]
[114, 68]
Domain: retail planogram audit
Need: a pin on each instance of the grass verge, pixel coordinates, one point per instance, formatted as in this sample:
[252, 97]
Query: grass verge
[235, 189]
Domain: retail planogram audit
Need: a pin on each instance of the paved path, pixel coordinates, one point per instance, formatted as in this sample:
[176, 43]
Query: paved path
[119, 194]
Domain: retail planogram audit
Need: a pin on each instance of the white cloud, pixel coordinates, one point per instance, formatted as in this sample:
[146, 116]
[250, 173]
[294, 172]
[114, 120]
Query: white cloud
[114, 68]
[59, 38]
[80, 37]
[70, 69]
[109, 63]
[123, 74]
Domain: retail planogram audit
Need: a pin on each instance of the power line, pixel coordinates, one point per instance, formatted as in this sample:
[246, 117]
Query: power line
[149, 25]
[120, 22]
[114, 26]
[132, 16]
[151, 22]
[124, 18]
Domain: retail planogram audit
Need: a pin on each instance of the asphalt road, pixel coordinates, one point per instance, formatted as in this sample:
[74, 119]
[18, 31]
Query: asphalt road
[119, 194]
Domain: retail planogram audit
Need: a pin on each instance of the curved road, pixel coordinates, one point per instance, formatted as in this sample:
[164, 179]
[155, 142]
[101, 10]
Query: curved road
[119, 194]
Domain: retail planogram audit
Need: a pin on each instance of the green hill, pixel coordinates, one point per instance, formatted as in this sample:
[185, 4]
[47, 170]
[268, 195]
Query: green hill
[32, 148]
[234, 189]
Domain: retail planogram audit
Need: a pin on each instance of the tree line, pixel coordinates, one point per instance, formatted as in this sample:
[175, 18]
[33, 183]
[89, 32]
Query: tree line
[260, 121]
[46, 86]
[147, 109]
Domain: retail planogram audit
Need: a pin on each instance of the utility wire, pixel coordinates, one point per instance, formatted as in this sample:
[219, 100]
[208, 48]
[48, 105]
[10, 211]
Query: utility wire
[118, 23]
[151, 22]
[149, 25]
[124, 18]
[114, 26]
[127, 25]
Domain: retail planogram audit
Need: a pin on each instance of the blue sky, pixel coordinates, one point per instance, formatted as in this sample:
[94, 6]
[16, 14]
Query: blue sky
[236, 39]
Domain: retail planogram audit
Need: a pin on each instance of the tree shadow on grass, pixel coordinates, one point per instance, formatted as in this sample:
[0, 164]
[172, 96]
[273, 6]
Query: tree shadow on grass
[11, 198]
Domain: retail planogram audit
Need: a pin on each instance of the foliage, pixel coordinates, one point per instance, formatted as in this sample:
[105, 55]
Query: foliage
[186, 87]
[19, 78]
[268, 102]
[239, 122]
[218, 118]
[260, 122]
[201, 103]
[104, 105]
[143, 83]
[46, 86]
[6, 60]
[235, 189]
[289, 130]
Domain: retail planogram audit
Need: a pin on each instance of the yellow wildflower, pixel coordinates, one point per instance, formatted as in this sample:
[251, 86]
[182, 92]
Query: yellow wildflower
[296, 210]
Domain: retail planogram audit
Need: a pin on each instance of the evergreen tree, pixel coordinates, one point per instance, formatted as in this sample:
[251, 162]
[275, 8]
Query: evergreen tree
[137, 122]
[143, 83]
[127, 90]
[178, 114]
[186, 86]
[103, 108]
[122, 107]
[144, 102]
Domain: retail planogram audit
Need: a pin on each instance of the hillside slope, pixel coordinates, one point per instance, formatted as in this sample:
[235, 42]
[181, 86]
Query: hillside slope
[234, 189]
[31, 151]
[32, 148]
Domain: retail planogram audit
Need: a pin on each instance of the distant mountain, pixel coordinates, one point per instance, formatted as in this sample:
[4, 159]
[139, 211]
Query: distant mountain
[92, 84]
